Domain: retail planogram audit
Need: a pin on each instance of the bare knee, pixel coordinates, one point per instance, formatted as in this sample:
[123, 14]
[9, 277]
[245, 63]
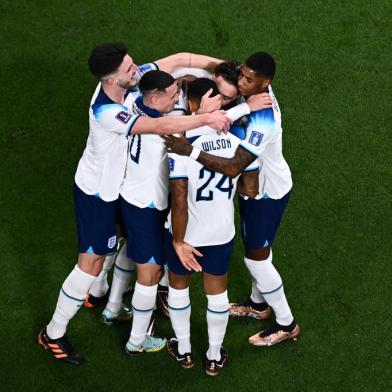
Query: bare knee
[258, 254]
[148, 274]
[179, 282]
[90, 263]
[214, 284]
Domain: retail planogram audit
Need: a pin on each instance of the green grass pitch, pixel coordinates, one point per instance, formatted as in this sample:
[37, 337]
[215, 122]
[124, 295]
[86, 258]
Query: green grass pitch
[333, 250]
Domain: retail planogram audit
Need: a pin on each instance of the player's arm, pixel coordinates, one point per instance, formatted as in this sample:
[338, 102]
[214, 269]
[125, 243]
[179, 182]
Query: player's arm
[172, 124]
[230, 167]
[179, 221]
[248, 184]
[254, 103]
[189, 60]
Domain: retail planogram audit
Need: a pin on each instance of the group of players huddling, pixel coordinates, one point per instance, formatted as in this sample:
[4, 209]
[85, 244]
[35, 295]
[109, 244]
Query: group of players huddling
[169, 145]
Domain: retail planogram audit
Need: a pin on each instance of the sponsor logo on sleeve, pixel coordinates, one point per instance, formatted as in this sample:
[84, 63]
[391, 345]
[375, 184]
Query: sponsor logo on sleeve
[145, 68]
[123, 116]
[171, 164]
[112, 242]
[255, 138]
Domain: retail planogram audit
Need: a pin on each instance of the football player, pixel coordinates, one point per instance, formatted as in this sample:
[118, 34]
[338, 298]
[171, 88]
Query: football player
[202, 216]
[260, 217]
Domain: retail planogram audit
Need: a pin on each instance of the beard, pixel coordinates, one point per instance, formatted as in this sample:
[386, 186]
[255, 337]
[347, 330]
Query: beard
[126, 84]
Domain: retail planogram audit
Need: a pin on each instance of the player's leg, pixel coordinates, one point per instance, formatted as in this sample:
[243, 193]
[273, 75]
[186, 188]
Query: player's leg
[215, 263]
[143, 304]
[255, 304]
[179, 306]
[145, 246]
[180, 316]
[96, 237]
[99, 291]
[163, 286]
[215, 288]
[163, 292]
[123, 270]
[262, 219]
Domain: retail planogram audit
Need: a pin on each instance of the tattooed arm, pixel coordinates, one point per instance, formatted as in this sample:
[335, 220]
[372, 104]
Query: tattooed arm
[179, 221]
[248, 184]
[230, 167]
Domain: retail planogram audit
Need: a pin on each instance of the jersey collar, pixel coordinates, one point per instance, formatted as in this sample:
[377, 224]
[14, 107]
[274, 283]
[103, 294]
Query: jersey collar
[145, 109]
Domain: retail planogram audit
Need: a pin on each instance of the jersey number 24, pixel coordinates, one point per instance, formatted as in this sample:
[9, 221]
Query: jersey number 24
[205, 192]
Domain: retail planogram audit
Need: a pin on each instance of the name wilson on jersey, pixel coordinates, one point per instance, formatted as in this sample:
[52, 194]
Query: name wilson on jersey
[216, 145]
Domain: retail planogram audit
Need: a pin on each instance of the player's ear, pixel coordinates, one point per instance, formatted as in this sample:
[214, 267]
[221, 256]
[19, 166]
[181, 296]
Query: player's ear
[193, 106]
[265, 83]
[154, 99]
[110, 81]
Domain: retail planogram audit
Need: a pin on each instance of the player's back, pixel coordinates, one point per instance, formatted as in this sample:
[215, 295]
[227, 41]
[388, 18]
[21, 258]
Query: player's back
[210, 194]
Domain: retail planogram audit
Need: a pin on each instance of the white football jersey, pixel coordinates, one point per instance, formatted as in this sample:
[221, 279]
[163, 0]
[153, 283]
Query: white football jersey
[210, 194]
[263, 138]
[101, 168]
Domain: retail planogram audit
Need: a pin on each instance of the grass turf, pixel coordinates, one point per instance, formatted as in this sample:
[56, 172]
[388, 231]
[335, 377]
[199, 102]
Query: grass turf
[333, 248]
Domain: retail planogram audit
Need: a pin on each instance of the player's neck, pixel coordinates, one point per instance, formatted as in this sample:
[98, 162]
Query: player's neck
[115, 93]
[151, 106]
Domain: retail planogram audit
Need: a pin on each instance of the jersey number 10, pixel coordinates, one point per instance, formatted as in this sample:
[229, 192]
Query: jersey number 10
[136, 147]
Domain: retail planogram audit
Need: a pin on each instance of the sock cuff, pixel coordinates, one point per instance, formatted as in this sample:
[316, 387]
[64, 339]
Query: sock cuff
[178, 299]
[175, 293]
[218, 303]
[250, 262]
[84, 274]
[150, 291]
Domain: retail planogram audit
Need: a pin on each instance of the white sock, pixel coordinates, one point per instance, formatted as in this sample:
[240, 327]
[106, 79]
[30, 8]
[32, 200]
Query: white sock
[217, 318]
[180, 317]
[72, 294]
[101, 286]
[165, 277]
[123, 270]
[256, 296]
[270, 285]
[143, 303]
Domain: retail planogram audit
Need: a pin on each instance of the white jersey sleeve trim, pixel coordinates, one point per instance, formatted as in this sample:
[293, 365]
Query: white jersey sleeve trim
[128, 131]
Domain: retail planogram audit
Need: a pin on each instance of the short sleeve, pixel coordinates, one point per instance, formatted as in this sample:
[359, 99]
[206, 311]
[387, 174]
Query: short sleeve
[177, 167]
[116, 118]
[147, 67]
[259, 132]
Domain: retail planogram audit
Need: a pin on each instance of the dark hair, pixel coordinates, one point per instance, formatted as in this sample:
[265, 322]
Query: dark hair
[262, 63]
[155, 81]
[197, 88]
[106, 58]
[229, 71]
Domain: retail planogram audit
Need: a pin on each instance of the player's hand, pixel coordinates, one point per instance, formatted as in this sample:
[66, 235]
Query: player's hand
[186, 253]
[219, 121]
[209, 104]
[259, 102]
[177, 144]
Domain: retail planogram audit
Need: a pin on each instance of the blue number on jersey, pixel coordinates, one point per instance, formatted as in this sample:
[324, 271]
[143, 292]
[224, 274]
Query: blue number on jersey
[228, 189]
[199, 195]
[220, 185]
[138, 147]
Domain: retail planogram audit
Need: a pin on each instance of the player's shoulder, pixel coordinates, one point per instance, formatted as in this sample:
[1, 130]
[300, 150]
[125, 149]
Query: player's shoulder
[262, 117]
[103, 104]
